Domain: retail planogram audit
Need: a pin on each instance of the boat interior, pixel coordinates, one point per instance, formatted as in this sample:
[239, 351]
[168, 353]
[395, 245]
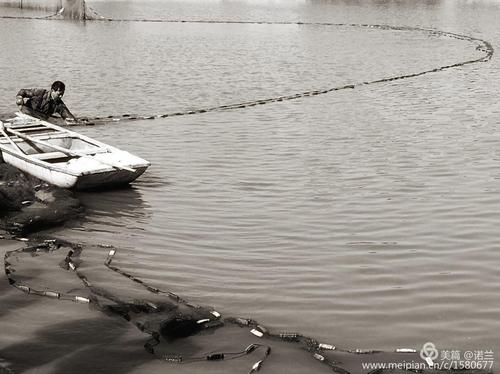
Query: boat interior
[51, 136]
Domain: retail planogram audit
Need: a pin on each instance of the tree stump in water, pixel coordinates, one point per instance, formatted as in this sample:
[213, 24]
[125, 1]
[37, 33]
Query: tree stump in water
[74, 9]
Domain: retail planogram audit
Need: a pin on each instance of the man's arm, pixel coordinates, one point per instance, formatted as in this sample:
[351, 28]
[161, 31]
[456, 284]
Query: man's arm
[24, 95]
[63, 110]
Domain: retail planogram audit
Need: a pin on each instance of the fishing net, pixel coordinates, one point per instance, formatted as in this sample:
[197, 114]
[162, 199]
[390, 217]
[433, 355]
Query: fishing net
[78, 9]
[177, 332]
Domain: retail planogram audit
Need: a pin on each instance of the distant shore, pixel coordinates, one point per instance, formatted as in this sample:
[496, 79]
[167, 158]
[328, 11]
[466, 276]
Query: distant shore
[47, 5]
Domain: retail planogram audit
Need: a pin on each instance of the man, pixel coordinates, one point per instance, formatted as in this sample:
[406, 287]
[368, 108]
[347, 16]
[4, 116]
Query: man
[42, 103]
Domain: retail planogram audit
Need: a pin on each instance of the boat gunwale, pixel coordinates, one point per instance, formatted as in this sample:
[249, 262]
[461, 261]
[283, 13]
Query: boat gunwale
[47, 165]
[67, 131]
[60, 132]
[38, 162]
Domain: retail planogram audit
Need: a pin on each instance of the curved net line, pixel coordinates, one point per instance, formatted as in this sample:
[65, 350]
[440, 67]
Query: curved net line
[170, 318]
[480, 45]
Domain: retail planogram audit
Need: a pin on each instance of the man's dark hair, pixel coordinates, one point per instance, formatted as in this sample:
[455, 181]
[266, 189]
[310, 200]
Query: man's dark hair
[58, 86]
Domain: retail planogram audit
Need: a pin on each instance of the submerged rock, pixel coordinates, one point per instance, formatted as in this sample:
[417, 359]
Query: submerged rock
[28, 204]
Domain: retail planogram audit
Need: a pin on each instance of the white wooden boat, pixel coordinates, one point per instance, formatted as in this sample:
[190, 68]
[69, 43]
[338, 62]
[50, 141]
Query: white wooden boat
[65, 158]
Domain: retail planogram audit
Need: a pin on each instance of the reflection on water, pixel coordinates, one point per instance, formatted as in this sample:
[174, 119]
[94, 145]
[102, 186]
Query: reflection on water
[103, 207]
[125, 201]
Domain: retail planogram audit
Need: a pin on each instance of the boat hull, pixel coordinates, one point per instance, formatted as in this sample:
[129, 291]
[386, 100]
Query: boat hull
[105, 179]
[77, 161]
[108, 179]
[51, 176]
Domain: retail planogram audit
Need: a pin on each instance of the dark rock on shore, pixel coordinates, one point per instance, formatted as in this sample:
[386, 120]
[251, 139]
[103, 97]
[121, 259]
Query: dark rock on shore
[28, 204]
[15, 187]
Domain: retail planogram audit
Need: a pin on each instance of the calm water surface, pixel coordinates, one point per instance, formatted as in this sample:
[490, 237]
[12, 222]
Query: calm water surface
[366, 217]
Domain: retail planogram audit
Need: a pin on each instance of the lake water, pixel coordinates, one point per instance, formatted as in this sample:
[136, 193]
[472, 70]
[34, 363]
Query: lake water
[367, 217]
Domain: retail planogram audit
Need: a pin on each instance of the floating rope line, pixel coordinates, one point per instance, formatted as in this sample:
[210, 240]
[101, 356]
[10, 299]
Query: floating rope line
[481, 45]
[195, 319]
[211, 320]
[71, 261]
[44, 247]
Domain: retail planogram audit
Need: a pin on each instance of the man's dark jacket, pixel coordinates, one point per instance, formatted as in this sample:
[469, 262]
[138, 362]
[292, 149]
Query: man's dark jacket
[42, 104]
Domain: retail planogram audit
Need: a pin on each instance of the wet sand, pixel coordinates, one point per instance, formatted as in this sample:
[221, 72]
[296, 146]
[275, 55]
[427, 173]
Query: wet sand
[33, 328]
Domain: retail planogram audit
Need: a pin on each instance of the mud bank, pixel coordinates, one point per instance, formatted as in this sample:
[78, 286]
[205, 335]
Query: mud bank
[33, 328]
[28, 204]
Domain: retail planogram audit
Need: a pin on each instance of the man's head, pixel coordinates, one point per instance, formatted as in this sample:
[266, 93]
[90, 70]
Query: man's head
[57, 90]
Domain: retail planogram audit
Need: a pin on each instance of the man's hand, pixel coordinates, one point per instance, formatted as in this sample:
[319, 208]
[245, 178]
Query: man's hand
[20, 101]
[71, 121]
